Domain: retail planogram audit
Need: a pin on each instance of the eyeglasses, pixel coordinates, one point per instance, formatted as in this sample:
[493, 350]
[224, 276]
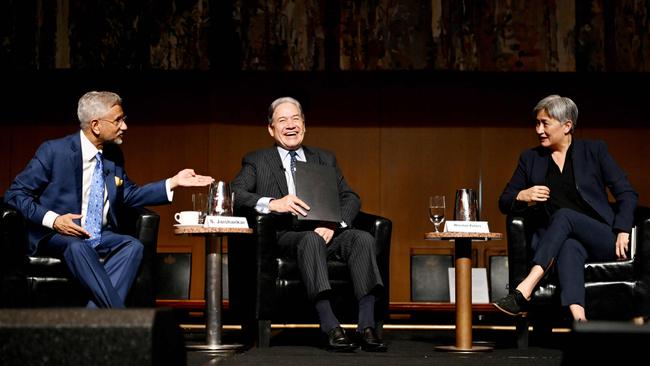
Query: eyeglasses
[117, 123]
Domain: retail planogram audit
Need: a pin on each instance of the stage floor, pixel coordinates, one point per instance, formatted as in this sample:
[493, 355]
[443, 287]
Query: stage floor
[301, 347]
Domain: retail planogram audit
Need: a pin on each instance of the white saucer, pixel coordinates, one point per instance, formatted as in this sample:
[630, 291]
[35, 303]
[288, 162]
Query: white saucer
[190, 225]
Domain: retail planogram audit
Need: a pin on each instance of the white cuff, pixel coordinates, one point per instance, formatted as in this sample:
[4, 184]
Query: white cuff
[48, 219]
[262, 205]
[170, 193]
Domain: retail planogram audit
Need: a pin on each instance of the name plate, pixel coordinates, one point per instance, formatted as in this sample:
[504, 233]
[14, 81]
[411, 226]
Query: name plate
[235, 222]
[479, 286]
[467, 226]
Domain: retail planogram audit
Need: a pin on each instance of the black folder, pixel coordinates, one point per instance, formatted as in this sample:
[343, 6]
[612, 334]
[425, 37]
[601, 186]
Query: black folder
[317, 185]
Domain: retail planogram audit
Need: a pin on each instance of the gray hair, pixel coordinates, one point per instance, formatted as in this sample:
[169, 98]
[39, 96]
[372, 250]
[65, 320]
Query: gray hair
[94, 105]
[559, 108]
[279, 101]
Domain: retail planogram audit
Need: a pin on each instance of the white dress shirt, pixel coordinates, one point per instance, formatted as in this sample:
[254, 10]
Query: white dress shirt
[263, 203]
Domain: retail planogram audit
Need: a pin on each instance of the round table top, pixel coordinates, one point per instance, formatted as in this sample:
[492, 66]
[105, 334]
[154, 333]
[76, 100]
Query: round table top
[460, 235]
[200, 229]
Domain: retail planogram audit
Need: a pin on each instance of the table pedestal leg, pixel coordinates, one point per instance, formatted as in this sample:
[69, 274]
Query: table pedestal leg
[213, 292]
[463, 273]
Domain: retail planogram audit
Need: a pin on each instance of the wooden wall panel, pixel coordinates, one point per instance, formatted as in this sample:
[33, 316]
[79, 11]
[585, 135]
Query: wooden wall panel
[418, 162]
[630, 149]
[399, 137]
[500, 152]
[393, 168]
[154, 152]
[357, 152]
[23, 140]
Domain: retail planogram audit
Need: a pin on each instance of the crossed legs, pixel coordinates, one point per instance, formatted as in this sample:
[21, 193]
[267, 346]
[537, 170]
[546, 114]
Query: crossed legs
[569, 240]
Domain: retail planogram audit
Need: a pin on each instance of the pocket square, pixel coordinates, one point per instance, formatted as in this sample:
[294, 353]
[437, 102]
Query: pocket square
[118, 181]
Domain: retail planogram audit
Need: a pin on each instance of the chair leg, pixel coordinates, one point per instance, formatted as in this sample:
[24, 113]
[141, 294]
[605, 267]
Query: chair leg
[521, 326]
[263, 333]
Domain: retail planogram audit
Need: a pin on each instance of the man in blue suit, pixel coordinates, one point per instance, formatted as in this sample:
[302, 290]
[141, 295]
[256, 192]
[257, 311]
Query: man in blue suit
[72, 194]
[568, 179]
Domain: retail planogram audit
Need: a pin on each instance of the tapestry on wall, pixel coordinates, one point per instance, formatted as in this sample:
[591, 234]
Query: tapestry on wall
[312, 35]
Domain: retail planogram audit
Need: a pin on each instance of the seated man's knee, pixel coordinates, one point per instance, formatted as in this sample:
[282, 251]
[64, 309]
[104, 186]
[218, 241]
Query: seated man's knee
[311, 240]
[76, 247]
[136, 247]
[363, 240]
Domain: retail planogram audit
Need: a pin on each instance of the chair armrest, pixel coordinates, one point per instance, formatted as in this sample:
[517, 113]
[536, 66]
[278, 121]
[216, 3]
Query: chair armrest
[143, 291]
[267, 264]
[13, 239]
[642, 260]
[146, 227]
[517, 249]
[253, 268]
[381, 228]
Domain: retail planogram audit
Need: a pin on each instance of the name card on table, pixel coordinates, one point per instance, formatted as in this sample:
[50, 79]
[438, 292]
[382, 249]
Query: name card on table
[234, 222]
[467, 226]
[479, 286]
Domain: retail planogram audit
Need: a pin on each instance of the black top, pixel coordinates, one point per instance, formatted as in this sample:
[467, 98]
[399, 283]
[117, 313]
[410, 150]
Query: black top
[564, 192]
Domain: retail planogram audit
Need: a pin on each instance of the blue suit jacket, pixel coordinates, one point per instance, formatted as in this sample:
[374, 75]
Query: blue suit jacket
[594, 170]
[52, 181]
[262, 175]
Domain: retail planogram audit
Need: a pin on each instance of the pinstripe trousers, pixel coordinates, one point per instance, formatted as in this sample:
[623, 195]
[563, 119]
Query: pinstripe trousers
[354, 247]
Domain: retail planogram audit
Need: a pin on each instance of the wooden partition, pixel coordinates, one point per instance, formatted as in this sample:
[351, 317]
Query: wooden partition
[397, 141]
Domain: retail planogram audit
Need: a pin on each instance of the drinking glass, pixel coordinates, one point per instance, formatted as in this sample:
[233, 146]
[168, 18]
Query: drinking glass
[437, 211]
[200, 203]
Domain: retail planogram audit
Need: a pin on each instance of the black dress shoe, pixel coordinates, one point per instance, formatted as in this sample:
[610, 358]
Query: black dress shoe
[337, 341]
[370, 342]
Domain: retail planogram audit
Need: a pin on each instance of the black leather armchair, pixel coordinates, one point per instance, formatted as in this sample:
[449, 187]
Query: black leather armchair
[266, 289]
[43, 281]
[618, 290]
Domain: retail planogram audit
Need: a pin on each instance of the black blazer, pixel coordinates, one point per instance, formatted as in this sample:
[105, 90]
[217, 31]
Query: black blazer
[262, 175]
[594, 170]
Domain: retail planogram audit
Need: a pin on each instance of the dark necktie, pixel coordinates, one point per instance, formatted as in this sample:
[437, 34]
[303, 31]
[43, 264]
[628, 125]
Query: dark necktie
[293, 165]
[95, 211]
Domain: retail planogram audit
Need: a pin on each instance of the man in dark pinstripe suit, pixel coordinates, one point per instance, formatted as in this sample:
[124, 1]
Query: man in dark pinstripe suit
[265, 184]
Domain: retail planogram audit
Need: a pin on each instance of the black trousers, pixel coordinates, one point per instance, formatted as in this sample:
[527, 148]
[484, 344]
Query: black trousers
[354, 247]
[571, 239]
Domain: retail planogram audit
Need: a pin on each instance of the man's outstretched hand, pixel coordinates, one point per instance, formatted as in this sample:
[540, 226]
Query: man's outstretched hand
[188, 178]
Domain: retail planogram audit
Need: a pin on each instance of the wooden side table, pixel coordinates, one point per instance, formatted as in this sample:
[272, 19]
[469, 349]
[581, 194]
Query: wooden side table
[213, 287]
[463, 272]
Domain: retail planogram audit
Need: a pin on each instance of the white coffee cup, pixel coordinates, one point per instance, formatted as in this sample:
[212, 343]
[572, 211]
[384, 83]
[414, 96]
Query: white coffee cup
[187, 217]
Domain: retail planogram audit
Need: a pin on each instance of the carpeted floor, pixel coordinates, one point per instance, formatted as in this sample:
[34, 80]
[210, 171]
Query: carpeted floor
[300, 347]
